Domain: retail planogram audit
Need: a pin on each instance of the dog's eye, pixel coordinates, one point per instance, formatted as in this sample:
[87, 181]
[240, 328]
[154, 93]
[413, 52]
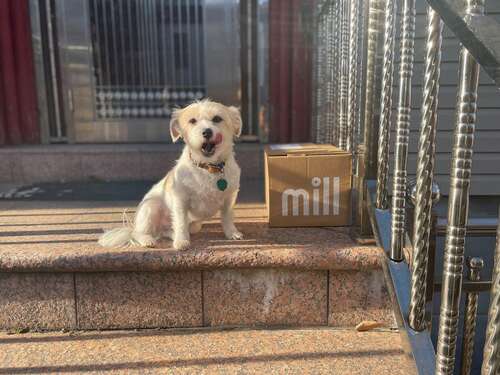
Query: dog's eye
[216, 119]
[192, 121]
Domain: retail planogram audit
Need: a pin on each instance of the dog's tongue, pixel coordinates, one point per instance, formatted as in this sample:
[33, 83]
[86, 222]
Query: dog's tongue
[218, 138]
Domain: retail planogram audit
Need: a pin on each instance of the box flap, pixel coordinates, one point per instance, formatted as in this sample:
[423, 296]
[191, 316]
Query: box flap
[303, 149]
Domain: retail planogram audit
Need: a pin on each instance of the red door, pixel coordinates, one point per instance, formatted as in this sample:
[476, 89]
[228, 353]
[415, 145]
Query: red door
[18, 104]
[290, 52]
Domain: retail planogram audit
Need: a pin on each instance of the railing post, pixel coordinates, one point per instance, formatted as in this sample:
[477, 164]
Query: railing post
[338, 69]
[381, 201]
[363, 9]
[316, 64]
[425, 171]
[475, 266]
[331, 77]
[321, 129]
[491, 357]
[376, 15]
[353, 76]
[458, 204]
[402, 131]
[331, 83]
[367, 150]
[344, 73]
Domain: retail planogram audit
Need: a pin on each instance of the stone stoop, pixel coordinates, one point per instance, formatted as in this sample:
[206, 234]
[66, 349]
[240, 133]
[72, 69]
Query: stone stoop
[322, 350]
[54, 276]
[106, 162]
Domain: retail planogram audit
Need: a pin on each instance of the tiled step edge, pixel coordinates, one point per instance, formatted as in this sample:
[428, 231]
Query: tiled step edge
[351, 258]
[214, 298]
[264, 247]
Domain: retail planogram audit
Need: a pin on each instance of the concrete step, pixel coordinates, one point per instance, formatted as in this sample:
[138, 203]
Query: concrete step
[105, 162]
[188, 351]
[53, 275]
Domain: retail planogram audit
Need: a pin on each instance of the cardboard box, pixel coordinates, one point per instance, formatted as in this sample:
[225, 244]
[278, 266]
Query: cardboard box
[308, 185]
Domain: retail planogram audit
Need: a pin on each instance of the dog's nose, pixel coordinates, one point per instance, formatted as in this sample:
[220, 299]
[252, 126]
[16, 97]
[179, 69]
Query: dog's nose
[207, 133]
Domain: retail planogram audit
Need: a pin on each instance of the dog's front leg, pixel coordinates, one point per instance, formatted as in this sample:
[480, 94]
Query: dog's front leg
[180, 224]
[228, 218]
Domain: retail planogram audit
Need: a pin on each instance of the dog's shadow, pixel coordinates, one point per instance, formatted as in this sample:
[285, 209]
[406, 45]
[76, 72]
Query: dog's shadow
[258, 235]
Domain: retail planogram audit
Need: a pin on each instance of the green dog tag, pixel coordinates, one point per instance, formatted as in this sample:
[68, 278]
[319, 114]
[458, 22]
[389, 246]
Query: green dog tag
[222, 184]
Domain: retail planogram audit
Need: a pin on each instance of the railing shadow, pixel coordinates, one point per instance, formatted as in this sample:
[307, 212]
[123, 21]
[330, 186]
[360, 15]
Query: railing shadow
[214, 361]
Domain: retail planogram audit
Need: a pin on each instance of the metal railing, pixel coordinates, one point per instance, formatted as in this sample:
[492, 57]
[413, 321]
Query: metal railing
[336, 72]
[346, 83]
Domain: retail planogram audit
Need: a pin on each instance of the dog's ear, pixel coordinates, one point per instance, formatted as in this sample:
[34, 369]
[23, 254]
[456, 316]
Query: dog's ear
[175, 126]
[236, 122]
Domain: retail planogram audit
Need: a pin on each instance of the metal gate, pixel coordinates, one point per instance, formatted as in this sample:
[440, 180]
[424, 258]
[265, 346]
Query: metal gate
[125, 64]
[145, 54]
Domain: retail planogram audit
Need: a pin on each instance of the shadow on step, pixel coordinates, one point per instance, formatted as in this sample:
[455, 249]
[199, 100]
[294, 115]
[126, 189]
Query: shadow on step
[214, 361]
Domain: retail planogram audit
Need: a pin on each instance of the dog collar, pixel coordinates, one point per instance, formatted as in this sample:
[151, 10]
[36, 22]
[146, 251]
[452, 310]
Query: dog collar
[213, 168]
[210, 167]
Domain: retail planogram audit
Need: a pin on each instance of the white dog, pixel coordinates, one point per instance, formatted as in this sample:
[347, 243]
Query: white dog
[205, 180]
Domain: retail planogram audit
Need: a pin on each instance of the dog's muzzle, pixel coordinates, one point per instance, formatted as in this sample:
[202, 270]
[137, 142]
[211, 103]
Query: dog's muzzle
[208, 148]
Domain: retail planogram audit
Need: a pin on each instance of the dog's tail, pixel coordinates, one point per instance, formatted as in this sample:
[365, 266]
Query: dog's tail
[117, 237]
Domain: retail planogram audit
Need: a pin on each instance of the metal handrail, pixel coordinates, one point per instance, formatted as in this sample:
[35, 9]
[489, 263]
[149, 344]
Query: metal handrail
[479, 34]
[409, 277]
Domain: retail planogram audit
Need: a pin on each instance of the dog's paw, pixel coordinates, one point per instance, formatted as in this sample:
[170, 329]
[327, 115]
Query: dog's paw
[234, 235]
[145, 240]
[181, 244]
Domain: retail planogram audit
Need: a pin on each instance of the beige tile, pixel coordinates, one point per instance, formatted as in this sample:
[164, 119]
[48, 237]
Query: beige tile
[6, 168]
[355, 296]
[264, 296]
[138, 299]
[37, 301]
[155, 165]
[45, 167]
[111, 166]
[16, 165]
[17, 170]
